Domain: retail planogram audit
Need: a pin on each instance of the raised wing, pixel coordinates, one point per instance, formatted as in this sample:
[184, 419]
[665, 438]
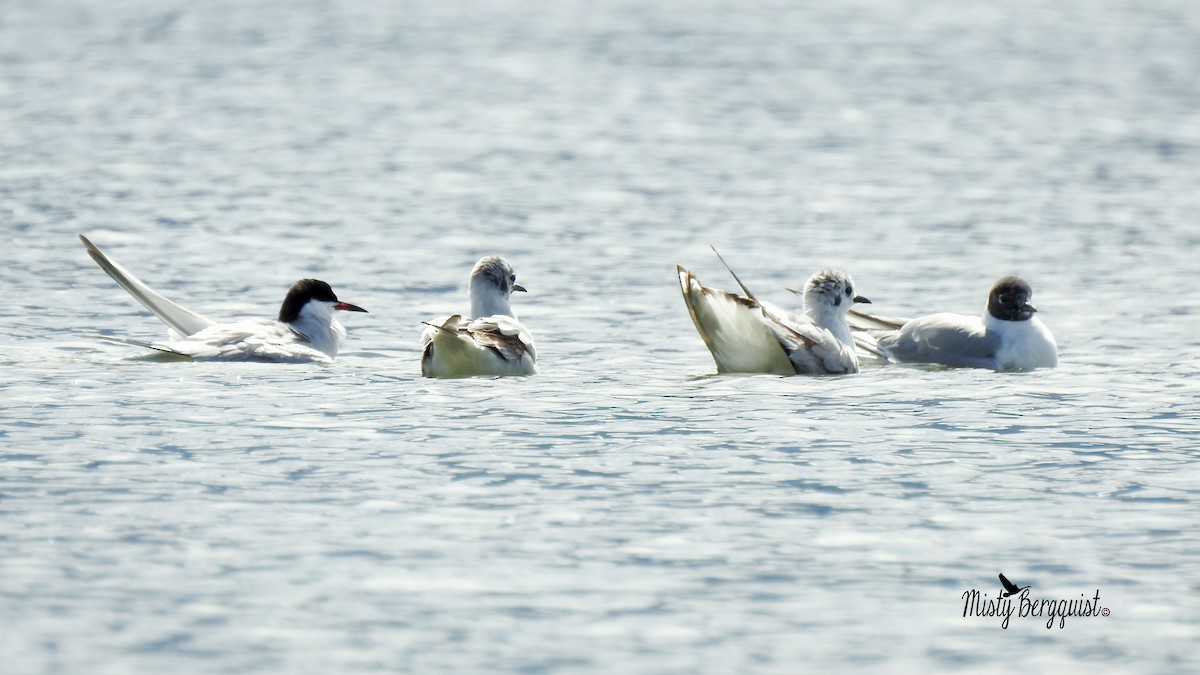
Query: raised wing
[1008, 585]
[746, 335]
[181, 320]
[734, 328]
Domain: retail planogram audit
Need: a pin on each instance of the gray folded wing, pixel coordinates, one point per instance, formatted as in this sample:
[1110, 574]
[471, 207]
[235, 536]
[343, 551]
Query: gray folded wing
[867, 328]
[863, 321]
[949, 339]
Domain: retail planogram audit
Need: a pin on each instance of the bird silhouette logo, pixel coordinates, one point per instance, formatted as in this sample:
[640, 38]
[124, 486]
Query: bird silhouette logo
[1010, 588]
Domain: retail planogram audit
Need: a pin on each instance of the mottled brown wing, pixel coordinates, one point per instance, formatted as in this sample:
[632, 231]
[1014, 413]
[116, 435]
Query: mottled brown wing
[502, 335]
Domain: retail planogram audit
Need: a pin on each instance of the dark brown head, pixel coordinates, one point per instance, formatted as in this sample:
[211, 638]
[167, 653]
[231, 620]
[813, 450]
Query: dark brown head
[1009, 299]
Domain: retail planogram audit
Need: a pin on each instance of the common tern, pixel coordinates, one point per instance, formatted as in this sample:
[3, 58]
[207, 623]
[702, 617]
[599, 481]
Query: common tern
[306, 329]
[747, 335]
[1008, 336]
[489, 342]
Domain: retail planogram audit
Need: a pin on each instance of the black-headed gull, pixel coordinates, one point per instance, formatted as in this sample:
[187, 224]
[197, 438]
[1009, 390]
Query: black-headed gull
[305, 330]
[1009, 335]
[489, 342]
[746, 335]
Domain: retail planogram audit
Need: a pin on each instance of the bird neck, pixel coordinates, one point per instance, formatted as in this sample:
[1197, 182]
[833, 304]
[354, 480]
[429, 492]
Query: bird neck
[831, 318]
[487, 300]
[316, 323]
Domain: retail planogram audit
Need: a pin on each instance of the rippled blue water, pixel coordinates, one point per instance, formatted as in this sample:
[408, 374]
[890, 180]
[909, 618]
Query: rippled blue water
[624, 511]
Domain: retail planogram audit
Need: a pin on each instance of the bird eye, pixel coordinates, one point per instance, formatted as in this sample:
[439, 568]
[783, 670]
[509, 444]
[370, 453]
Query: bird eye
[512, 278]
[1003, 298]
[849, 291]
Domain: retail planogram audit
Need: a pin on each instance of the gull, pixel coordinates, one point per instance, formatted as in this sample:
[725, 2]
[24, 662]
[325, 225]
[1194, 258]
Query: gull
[304, 331]
[489, 342]
[1009, 335]
[746, 335]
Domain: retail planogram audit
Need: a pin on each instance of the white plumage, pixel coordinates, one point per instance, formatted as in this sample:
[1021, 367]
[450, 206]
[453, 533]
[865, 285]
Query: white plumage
[306, 329]
[1009, 335]
[489, 342]
[746, 335]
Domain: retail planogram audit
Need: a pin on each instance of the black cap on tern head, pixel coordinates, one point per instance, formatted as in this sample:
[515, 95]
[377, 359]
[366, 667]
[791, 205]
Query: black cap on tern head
[310, 289]
[1009, 299]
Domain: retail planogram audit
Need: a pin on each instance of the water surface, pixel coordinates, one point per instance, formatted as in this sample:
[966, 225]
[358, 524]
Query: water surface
[625, 510]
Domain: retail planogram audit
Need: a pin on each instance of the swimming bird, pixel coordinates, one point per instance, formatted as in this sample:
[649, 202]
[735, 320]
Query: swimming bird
[489, 342]
[306, 329]
[1008, 336]
[746, 335]
[1010, 588]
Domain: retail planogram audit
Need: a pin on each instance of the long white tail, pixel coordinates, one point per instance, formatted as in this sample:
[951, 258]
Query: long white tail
[138, 343]
[180, 319]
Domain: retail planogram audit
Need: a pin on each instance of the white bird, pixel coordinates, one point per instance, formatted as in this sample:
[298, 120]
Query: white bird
[489, 342]
[1009, 335]
[746, 335]
[305, 330]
